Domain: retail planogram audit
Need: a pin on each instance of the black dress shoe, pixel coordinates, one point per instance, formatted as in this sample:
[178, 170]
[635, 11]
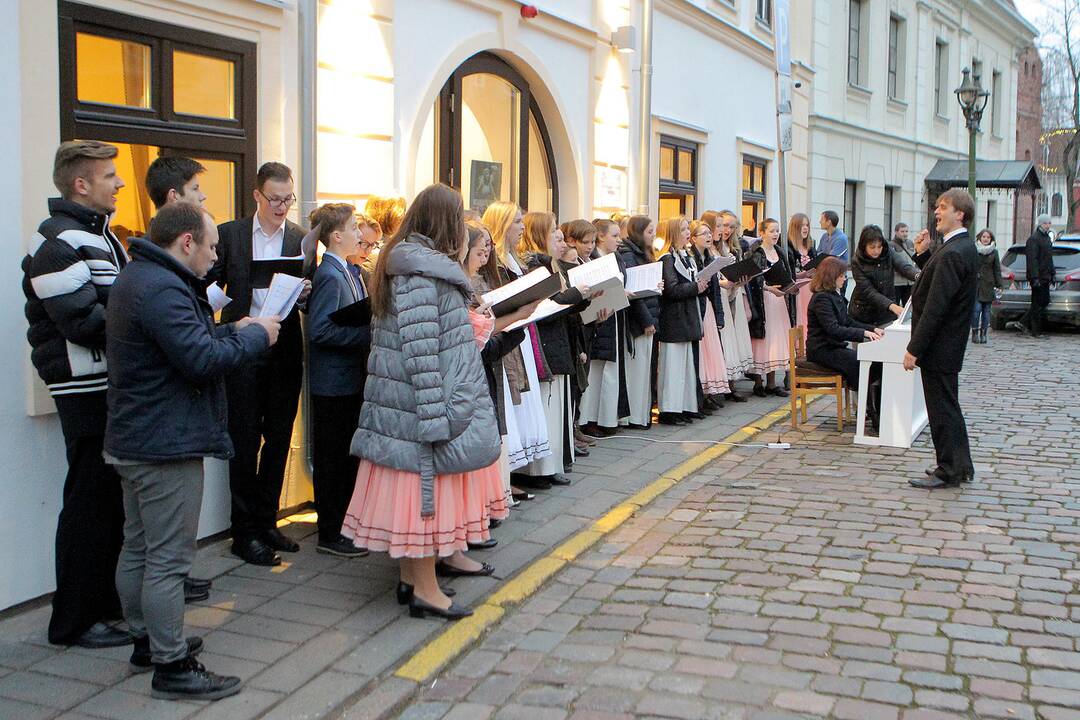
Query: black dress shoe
[255, 552]
[447, 570]
[140, 657]
[418, 609]
[484, 545]
[197, 583]
[736, 397]
[671, 419]
[635, 426]
[404, 592]
[759, 390]
[280, 541]
[933, 482]
[341, 547]
[560, 480]
[494, 523]
[100, 635]
[187, 679]
[777, 391]
[522, 496]
[694, 415]
[194, 595]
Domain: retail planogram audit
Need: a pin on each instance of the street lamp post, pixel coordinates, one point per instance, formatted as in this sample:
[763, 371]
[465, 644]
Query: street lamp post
[972, 98]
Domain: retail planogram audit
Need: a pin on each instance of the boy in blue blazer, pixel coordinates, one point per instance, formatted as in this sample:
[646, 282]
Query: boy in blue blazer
[337, 369]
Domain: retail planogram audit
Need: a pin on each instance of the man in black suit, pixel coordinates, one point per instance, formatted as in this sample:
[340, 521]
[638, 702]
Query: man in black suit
[941, 301]
[262, 397]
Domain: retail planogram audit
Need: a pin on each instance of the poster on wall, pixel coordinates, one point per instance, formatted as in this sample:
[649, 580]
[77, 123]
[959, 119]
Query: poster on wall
[485, 180]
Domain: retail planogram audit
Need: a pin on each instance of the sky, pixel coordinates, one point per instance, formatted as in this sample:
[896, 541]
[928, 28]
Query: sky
[1033, 10]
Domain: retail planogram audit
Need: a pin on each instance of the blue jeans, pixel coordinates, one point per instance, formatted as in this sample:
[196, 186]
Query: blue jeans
[980, 316]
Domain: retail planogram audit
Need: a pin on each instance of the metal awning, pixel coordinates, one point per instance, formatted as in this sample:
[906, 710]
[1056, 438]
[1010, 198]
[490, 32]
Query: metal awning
[1017, 175]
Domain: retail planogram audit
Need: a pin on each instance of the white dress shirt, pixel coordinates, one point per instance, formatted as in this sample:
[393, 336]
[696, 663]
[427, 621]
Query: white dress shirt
[953, 233]
[264, 246]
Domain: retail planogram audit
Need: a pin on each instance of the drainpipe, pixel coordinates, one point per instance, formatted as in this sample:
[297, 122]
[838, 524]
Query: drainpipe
[645, 109]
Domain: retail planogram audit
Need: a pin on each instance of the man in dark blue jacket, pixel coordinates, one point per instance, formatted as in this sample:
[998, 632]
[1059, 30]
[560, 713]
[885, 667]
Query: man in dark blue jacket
[166, 412]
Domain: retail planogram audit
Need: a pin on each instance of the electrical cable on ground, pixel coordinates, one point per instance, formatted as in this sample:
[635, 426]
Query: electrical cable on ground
[778, 445]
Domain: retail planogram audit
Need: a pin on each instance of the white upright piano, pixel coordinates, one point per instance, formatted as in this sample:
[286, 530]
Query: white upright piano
[903, 409]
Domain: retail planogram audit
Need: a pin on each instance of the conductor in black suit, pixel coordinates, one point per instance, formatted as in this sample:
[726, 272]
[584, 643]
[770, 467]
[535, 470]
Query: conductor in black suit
[941, 300]
[263, 396]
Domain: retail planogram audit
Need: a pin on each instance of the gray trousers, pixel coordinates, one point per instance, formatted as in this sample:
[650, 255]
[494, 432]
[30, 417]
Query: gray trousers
[161, 509]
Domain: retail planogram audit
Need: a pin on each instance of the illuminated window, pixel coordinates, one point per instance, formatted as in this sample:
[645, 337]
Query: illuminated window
[753, 193]
[112, 71]
[678, 177]
[154, 89]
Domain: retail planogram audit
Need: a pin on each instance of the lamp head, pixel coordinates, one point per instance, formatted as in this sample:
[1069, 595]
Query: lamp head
[968, 91]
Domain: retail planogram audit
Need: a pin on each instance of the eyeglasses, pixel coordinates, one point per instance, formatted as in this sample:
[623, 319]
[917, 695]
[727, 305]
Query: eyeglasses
[278, 202]
[365, 245]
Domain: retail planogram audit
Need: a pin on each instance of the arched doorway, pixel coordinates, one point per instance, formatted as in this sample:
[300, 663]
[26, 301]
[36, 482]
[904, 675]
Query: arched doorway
[491, 141]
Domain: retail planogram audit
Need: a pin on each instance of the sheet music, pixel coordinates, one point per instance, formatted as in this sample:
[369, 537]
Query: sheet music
[546, 308]
[595, 272]
[643, 280]
[282, 295]
[509, 290]
[614, 299]
[715, 266]
[217, 297]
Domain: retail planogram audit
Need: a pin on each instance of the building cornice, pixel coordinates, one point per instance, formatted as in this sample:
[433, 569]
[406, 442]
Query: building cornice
[817, 121]
[718, 28]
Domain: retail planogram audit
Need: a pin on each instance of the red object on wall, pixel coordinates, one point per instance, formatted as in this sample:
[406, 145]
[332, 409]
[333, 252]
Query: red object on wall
[529, 12]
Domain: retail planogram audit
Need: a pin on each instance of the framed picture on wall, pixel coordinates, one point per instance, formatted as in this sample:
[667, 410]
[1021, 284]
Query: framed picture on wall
[485, 180]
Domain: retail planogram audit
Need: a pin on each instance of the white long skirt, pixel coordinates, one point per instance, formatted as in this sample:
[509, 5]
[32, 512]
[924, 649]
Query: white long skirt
[735, 336]
[504, 469]
[555, 396]
[639, 380]
[600, 401]
[676, 387]
[526, 431]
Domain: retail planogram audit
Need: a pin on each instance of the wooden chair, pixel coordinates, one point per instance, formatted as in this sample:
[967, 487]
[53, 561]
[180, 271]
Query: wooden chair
[808, 379]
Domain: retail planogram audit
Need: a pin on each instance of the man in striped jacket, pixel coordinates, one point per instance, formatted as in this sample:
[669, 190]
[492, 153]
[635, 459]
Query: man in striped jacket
[73, 259]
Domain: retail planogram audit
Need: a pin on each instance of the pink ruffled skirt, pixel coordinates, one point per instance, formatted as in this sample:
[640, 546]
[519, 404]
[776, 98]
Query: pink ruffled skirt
[384, 514]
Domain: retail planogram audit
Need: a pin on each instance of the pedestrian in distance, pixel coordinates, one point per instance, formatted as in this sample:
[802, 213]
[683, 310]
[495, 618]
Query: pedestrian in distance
[903, 246]
[68, 275]
[941, 301]
[990, 285]
[833, 241]
[1039, 251]
[167, 408]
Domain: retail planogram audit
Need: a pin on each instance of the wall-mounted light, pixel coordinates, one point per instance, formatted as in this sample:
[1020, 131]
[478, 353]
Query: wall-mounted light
[624, 39]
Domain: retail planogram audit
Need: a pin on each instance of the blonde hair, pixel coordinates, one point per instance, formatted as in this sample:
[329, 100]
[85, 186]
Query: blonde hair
[732, 244]
[498, 217]
[387, 211]
[538, 228]
[669, 230]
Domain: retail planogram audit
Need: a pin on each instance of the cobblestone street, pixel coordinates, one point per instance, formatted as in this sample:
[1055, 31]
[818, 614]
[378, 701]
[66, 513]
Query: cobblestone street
[815, 582]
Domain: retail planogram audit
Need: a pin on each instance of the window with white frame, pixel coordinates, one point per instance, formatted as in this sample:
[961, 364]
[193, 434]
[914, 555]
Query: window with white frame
[855, 39]
[764, 11]
[897, 43]
[851, 195]
[996, 104]
[941, 78]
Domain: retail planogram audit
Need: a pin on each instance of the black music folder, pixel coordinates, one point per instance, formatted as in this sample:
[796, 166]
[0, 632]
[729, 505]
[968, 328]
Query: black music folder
[742, 270]
[537, 291]
[263, 271]
[815, 261]
[356, 315]
[778, 275]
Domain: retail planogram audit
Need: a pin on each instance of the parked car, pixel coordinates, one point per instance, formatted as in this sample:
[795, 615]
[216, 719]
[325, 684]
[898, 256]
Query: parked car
[1064, 293]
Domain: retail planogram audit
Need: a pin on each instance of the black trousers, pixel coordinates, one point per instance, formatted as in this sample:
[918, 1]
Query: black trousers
[843, 360]
[947, 426]
[1036, 314]
[903, 294]
[89, 532]
[333, 422]
[262, 402]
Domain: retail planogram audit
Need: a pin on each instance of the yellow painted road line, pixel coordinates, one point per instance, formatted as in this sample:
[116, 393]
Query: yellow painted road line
[459, 635]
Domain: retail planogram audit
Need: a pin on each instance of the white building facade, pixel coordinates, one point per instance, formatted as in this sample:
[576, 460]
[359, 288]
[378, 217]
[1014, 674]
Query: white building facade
[883, 110]
[362, 98]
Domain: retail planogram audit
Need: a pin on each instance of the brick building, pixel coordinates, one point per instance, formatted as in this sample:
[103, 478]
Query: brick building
[1029, 132]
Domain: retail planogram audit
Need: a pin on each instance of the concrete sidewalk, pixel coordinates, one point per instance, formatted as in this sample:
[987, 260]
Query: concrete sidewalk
[320, 634]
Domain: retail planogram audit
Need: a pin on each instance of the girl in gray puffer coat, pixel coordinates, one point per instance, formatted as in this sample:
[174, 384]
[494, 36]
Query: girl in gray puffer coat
[428, 436]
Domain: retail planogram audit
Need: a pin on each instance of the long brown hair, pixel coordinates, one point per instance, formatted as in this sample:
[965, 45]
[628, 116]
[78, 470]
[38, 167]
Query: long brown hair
[794, 232]
[670, 230]
[437, 213]
[824, 278]
[490, 271]
[732, 244]
[635, 235]
[538, 228]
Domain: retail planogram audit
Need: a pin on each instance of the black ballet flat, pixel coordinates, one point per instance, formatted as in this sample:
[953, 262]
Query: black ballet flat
[760, 391]
[405, 593]
[418, 609]
[450, 571]
[736, 397]
[522, 496]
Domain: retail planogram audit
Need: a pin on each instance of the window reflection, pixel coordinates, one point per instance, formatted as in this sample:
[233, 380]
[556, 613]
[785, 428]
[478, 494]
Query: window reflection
[203, 85]
[490, 140]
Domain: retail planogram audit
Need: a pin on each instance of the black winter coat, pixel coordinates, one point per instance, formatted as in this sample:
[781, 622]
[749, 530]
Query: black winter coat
[828, 326]
[1040, 259]
[712, 293]
[605, 336]
[989, 276]
[642, 312]
[794, 264]
[167, 363]
[557, 337]
[755, 289]
[875, 285]
[941, 303]
[680, 316]
[498, 346]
